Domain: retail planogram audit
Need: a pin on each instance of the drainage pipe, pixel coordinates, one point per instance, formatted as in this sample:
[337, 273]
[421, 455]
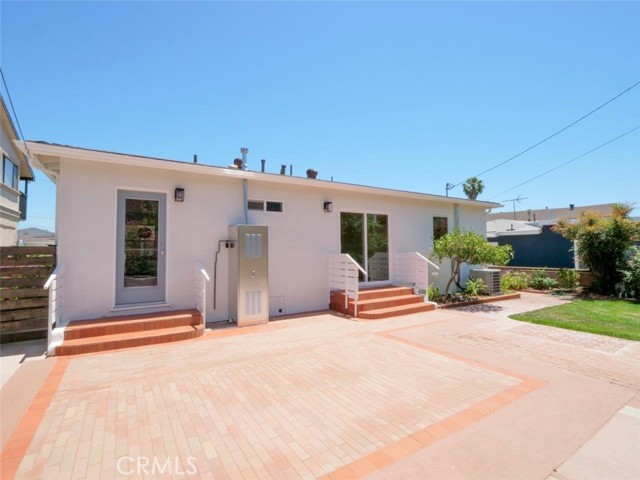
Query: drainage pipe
[245, 195]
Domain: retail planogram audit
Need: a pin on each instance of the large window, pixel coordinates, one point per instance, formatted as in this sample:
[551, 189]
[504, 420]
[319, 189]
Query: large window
[440, 227]
[10, 172]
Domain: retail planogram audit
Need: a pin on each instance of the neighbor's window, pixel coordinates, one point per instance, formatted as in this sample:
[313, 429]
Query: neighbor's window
[440, 227]
[274, 206]
[10, 173]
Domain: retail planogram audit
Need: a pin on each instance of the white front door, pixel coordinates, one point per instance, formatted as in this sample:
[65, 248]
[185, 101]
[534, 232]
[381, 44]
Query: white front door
[141, 247]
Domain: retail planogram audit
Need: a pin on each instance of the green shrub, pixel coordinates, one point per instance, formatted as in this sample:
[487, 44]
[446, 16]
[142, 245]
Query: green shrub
[540, 280]
[513, 281]
[433, 294]
[631, 275]
[475, 287]
[568, 278]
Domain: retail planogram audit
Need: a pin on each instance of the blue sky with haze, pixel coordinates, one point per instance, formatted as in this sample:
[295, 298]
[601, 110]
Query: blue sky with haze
[399, 95]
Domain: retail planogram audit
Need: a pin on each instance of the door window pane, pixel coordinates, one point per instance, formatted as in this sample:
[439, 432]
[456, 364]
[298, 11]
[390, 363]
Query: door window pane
[377, 247]
[141, 243]
[352, 237]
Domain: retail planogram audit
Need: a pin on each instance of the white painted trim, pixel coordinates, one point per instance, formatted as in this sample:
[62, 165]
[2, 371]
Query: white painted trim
[115, 239]
[202, 169]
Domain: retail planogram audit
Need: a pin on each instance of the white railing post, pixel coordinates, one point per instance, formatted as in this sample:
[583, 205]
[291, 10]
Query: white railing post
[344, 275]
[201, 279]
[412, 268]
[54, 285]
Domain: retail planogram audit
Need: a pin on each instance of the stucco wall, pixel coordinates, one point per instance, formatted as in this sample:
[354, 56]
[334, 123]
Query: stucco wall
[300, 238]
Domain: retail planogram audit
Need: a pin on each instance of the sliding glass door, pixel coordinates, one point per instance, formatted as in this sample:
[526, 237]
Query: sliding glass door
[365, 236]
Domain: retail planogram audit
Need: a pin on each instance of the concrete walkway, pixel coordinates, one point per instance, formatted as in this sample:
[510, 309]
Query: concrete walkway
[465, 393]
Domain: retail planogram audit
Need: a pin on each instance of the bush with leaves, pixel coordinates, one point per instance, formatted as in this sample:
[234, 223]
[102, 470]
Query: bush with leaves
[631, 275]
[513, 281]
[540, 280]
[468, 247]
[433, 294]
[603, 243]
[568, 278]
[475, 287]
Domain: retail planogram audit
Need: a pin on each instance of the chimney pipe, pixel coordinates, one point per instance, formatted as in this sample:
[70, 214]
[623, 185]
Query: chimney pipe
[290, 170]
[571, 206]
[263, 161]
[244, 152]
[195, 158]
[311, 173]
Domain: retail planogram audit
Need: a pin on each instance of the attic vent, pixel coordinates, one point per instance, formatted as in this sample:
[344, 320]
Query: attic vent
[255, 205]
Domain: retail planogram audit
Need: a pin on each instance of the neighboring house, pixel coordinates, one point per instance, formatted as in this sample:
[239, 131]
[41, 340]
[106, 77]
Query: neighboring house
[130, 229]
[15, 167]
[534, 243]
[36, 237]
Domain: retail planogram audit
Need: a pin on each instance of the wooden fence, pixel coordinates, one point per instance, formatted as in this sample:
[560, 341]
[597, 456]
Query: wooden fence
[23, 301]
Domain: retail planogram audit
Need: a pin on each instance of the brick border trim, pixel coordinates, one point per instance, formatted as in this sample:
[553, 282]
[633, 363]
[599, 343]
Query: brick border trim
[379, 459]
[19, 442]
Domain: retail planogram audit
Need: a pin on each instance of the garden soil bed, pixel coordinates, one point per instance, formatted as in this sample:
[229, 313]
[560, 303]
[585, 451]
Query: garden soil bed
[497, 298]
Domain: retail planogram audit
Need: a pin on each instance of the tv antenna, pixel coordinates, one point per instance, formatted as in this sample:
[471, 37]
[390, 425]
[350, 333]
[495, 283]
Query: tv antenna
[514, 200]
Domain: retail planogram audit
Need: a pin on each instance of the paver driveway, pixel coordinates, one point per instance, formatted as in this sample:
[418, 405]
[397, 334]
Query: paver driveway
[315, 396]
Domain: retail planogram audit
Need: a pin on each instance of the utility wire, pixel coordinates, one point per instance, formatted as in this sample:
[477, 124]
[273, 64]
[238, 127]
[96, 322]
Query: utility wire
[569, 161]
[15, 115]
[555, 134]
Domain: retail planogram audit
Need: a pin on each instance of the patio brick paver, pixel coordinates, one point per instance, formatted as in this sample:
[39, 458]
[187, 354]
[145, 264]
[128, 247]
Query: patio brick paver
[303, 399]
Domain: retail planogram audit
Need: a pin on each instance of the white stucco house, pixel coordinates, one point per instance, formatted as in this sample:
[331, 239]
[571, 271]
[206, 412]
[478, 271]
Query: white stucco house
[13, 202]
[131, 228]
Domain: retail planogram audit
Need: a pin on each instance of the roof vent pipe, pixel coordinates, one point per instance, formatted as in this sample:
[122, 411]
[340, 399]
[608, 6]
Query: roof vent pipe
[263, 161]
[244, 152]
[195, 158]
[311, 173]
[283, 169]
[290, 170]
[571, 206]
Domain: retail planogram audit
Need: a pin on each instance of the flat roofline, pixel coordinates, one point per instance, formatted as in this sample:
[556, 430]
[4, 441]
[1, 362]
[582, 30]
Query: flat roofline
[45, 149]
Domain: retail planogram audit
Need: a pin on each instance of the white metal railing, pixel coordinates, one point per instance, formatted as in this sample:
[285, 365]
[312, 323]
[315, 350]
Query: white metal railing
[201, 279]
[412, 268]
[54, 284]
[344, 275]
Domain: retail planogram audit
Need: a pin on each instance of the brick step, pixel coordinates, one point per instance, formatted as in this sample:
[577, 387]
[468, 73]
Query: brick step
[131, 323]
[129, 339]
[383, 292]
[395, 311]
[388, 302]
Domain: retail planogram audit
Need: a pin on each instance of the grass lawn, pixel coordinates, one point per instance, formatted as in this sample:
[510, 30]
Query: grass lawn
[604, 317]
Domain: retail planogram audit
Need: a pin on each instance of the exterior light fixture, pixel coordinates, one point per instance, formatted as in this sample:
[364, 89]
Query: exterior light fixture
[179, 195]
[328, 207]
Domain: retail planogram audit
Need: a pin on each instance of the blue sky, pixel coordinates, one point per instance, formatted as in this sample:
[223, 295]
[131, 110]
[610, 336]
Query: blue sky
[400, 95]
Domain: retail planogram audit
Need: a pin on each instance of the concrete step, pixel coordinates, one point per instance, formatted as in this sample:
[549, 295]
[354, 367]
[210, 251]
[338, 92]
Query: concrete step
[127, 340]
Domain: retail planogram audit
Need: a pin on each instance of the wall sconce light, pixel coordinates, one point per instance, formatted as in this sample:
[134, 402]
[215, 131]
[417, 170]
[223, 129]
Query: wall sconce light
[328, 207]
[179, 195]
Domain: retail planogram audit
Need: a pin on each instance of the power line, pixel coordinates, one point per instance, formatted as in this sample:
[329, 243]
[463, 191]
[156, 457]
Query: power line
[15, 115]
[569, 161]
[556, 133]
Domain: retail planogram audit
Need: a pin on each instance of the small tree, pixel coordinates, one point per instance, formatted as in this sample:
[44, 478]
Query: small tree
[473, 187]
[469, 247]
[602, 243]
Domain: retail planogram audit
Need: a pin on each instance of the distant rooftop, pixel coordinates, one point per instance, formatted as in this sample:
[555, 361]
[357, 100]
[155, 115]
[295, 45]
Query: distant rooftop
[546, 214]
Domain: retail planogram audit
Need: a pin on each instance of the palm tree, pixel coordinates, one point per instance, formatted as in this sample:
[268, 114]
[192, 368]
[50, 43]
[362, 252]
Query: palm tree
[473, 187]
